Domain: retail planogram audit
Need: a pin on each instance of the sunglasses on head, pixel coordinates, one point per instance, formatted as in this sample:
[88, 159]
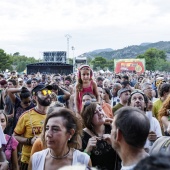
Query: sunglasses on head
[45, 92]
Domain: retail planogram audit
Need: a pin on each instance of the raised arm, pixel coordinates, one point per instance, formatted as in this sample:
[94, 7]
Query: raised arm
[11, 92]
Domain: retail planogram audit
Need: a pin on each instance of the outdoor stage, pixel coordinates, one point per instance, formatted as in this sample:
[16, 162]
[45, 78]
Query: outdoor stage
[50, 68]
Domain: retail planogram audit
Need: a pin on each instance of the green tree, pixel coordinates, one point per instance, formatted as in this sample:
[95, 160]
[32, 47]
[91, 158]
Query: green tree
[162, 65]
[5, 62]
[152, 56]
[98, 62]
[110, 64]
[20, 61]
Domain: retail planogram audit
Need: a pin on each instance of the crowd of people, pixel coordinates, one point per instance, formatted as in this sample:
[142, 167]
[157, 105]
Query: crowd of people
[104, 121]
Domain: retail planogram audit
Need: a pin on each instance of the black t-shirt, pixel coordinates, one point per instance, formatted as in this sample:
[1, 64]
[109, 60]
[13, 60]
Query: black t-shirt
[103, 157]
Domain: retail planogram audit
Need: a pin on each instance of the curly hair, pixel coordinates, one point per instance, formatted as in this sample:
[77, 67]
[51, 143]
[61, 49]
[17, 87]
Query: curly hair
[163, 111]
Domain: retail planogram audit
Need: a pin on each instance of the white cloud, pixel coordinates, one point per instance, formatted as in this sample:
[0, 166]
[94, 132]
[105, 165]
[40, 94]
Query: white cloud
[31, 26]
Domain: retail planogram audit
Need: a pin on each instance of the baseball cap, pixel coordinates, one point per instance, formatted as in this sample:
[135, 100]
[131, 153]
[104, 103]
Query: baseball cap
[122, 91]
[41, 87]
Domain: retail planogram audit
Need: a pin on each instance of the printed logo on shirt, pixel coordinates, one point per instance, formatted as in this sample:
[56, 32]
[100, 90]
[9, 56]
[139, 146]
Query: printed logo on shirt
[37, 130]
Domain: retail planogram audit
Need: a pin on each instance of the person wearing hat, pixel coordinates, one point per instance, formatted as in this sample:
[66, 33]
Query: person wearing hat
[30, 124]
[123, 95]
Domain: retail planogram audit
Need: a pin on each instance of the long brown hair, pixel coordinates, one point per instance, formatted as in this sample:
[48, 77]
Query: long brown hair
[79, 80]
[88, 114]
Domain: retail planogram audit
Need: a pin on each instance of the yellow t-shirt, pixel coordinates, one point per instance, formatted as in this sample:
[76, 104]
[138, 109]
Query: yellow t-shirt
[156, 107]
[29, 124]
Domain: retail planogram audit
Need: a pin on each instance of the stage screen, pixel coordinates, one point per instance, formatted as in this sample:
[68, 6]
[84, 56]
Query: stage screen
[54, 56]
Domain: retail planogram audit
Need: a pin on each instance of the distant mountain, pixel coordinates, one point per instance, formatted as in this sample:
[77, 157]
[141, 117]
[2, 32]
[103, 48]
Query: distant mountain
[144, 44]
[130, 51]
[101, 50]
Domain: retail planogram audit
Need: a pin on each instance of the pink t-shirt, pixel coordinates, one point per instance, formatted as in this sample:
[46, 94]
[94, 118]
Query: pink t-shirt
[11, 146]
[84, 90]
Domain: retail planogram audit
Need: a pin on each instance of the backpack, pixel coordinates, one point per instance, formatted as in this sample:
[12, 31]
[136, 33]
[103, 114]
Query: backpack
[162, 144]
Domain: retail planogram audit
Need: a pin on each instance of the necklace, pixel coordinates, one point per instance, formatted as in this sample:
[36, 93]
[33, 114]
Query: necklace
[59, 157]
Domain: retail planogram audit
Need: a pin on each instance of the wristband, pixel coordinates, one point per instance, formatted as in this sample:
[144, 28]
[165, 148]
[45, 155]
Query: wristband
[87, 152]
[29, 141]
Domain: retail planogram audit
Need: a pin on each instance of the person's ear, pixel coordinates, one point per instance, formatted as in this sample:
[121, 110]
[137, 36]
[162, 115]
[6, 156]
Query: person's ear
[34, 97]
[71, 132]
[118, 135]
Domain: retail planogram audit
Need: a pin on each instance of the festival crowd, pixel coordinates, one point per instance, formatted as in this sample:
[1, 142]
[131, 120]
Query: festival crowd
[88, 120]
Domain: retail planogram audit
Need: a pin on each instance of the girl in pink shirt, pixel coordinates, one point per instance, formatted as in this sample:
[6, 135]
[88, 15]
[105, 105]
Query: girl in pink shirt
[85, 84]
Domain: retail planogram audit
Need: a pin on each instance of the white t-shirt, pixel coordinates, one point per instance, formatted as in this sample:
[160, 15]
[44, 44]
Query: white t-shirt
[38, 159]
[2, 137]
[131, 167]
[154, 126]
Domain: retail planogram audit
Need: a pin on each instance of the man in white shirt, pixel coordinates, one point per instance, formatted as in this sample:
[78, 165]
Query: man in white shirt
[138, 99]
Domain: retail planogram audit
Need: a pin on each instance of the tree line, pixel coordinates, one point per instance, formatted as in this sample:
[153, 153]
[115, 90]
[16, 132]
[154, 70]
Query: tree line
[155, 60]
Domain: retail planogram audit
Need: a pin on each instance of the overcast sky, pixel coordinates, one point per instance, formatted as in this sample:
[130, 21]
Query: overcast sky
[33, 26]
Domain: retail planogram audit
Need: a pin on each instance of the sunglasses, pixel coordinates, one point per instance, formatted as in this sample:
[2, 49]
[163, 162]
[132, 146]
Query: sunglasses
[45, 92]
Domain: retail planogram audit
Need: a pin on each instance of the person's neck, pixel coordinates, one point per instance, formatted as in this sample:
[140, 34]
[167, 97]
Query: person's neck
[107, 101]
[150, 97]
[41, 109]
[86, 83]
[99, 130]
[123, 103]
[60, 151]
[134, 156]
[162, 99]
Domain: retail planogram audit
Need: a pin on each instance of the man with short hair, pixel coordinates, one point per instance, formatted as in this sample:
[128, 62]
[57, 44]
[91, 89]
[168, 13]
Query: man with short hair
[9, 107]
[28, 85]
[130, 129]
[159, 161]
[139, 100]
[30, 123]
[34, 82]
[99, 81]
[123, 95]
[148, 91]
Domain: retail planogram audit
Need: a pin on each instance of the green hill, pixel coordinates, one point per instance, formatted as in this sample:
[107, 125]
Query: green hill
[130, 51]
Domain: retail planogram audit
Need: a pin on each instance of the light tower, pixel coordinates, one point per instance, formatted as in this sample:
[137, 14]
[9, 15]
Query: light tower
[68, 38]
[74, 59]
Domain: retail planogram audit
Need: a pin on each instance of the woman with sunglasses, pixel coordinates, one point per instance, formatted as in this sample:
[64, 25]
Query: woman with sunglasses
[102, 155]
[21, 98]
[60, 136]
